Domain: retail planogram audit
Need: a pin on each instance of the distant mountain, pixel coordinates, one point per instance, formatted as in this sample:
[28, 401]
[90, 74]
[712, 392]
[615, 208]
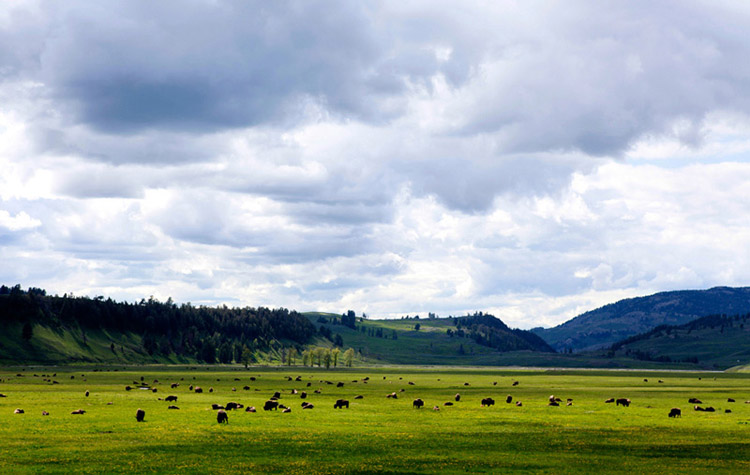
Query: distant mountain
[715, 342]
[614, 322]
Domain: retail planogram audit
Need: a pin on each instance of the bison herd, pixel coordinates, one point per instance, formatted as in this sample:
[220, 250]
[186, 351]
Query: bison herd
[272, 404]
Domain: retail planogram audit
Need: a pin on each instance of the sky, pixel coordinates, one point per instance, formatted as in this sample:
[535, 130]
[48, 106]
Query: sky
[532, 159]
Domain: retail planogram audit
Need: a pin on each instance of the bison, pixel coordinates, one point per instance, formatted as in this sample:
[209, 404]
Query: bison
[675, 412]
[457, 397]
[222, 417]
[174, 385]
[303, 395]
[488, 401]
[86, 394]
[79, 411]
[392, 396]
[609, 400]
[216, 407]
[359, 396]
[18, 411]
[250, 409]
[341, 403]
[140, 414]
[519, 404]
[622, 401]
[271, 405]
[287, 410]
[307, 405]
[339, 384]
[695, 400]
[170, 398]
[448, 404]
[276, 395]
[198, 389]
[172, 407]
[553, 403]
[418, 403]
[730, 400]
[230, 406]
[45, 413]
[515, 383]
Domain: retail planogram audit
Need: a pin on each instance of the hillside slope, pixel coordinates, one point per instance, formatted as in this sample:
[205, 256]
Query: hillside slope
[715, 341]
[606, 325]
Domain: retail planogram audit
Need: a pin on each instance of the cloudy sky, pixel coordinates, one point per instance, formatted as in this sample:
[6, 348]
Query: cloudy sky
[529, 159]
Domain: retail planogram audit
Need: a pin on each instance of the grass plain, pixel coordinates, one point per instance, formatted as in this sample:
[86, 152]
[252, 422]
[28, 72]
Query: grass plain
[376, 434]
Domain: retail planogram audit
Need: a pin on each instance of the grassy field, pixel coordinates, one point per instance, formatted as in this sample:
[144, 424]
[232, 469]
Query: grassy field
[376, 434]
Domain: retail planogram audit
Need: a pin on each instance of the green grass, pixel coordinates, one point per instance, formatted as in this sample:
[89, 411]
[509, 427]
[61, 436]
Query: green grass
[376, 435]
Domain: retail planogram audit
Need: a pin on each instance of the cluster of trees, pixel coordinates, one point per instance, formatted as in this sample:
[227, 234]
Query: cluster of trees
[327, 357]
[209, 334]
[487, 330]
[378, 332]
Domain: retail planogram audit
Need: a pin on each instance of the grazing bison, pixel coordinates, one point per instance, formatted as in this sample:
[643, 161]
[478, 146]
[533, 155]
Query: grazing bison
[341, 403]
[45, 413]
[411, 383]
[519, 404]
[710, 409]
[509, 399]
[174, 385]
[359, 396]
[645, 380]
[457, 397]
[3, 395]
[675, 412]
[392, 396]
[222, 417]
[230, 406]
[276, 395]
[515, 383]
[727, 411]
[18, 411]
[210, 390]
[610, 400]
[303, 395]
[339, 384]
[172, 407]
[488, 401]
[271, 404]
[170, 398]
[317, 391]
[250, 409]
[307, 405]
[418, 403]
[246, 388]
[622, 401]
[467, 384]
[198, 389]
[730, 400]
[448, 404]
[79, 411]
[128, 388]
[695, 400]
[140, 414]
[86, 394]
[553, 403]
[216, 407]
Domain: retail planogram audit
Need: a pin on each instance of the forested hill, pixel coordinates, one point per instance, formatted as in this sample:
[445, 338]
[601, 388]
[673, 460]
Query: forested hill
[715, 341]
[614, 322]
[43, 328]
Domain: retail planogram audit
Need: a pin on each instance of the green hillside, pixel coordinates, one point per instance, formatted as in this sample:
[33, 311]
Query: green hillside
[607, 325]
[715, 341]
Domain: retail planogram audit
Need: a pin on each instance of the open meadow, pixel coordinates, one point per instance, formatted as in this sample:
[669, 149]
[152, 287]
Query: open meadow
[375, 434]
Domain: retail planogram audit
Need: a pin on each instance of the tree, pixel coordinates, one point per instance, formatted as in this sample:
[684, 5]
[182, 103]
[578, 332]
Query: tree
[327, 358]
[335, 354]
[417, 327]
[27, 332]
[338, 340]
[208, 351]
[247, 356]
[349, 357]
[291, 354]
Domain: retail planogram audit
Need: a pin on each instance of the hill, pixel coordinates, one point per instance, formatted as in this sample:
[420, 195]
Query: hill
[605, 326]
[715, 341]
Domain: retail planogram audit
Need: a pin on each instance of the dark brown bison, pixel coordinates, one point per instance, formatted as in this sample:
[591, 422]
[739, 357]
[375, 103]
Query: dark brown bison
[509, 399]
[230, 406]
[86, 394]
[246, 388]
[339, 384]
[519, 404]
[174, 385]
[128, 388]
[727, 411]
[675, 412]
[78, 411]
[317, 391]
[276, 395]
[341, 403]
[467, 384]
[210, 390]
[553, 403]
[18, 411]
[45, 413]
[418, 403]
[448, 404]
[307, 405]
[411, 383]
[515, 383]
[610, 400]
[140, 414]
[622, 401]
[710, 409]
[198, 389]
[222, 417]
[457, 397]
[554, 399]
[695, 400]
[359, 396]
[392, 396]
[250, 409]
[170, 398]
[172, 407]
[216, 407]
[294, 391]
[287, 409]
[435, 408]
[303, 395]
[488, 401]
[271, 404]
[730, 400]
